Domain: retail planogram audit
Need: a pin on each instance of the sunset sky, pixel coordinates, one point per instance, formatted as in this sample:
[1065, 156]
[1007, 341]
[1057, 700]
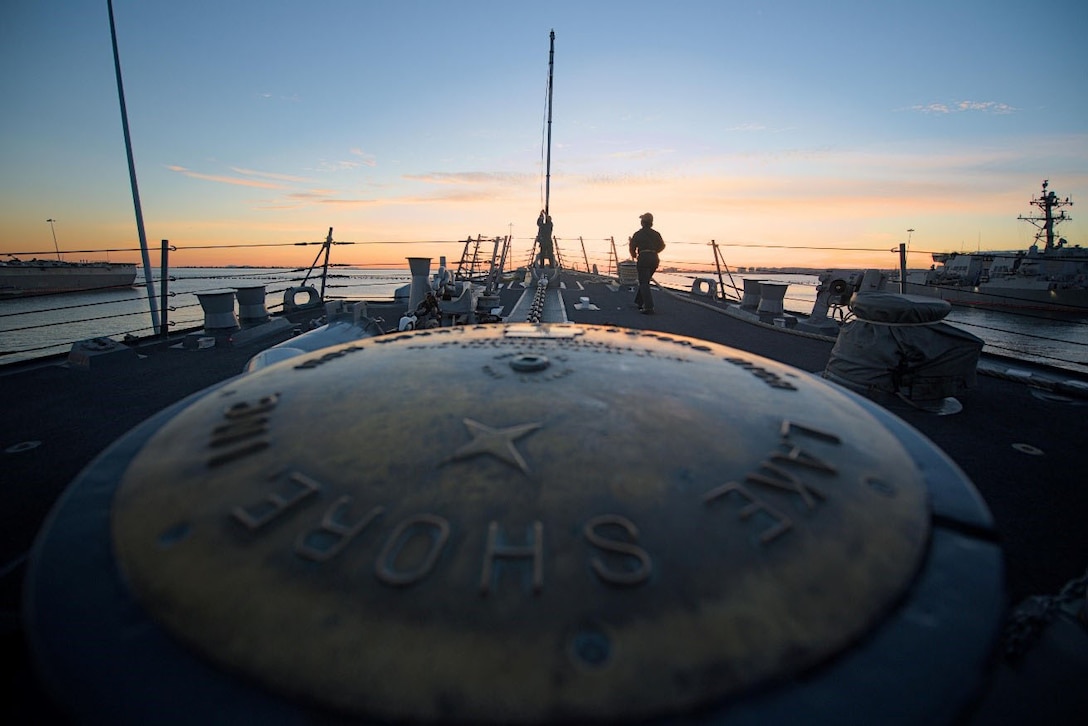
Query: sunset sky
[775, 128]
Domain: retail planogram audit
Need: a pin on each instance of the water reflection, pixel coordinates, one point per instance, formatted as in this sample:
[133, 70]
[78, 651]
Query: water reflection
[66, 318]
[1051, 340]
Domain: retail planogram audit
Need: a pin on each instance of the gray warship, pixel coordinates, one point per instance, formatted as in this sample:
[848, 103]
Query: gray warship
[1050, 277]
[572, 514]
[540, 506]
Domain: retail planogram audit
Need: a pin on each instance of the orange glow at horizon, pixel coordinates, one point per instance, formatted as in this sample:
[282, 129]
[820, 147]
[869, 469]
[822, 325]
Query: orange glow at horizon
[765, 222]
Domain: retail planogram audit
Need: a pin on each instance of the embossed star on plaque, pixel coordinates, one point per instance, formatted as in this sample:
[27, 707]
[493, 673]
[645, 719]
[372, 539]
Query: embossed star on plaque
[496, 442]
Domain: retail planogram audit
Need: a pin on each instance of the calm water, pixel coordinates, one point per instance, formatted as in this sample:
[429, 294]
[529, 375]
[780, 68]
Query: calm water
[1058, 342]
[36, 327]
[33, 327]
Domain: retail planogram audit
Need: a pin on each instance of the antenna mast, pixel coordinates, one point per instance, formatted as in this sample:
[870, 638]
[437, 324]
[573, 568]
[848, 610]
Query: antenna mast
[1048, 202]
[548, 168]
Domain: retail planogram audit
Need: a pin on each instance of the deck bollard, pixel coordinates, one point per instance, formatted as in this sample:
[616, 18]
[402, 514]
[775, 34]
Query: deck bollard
[771, 296]
[251, 304]
[218, 309]
[420, 268]
[750, 301]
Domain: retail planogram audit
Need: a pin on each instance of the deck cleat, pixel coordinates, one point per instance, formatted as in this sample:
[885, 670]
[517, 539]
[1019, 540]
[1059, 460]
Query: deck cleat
[530, 524]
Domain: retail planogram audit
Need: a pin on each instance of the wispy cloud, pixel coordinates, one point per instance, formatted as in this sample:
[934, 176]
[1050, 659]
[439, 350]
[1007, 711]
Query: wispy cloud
[964, 106]
[293, 98]
[362, 158]
[469, 177]
[313, 194]
[988, 106]
[236, 181]
[610, 180]
[367, 159]
[447, 195]
[341, 165]
[641, 153]
[270, 175]
[354, 202]
[383, 202]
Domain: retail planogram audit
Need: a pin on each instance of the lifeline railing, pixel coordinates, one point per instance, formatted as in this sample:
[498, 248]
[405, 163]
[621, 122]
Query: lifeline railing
[37, 326]
[21, 324]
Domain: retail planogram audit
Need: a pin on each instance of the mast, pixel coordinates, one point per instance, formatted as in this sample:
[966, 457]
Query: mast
[1048, 202]
[548, 167]
[132, 176]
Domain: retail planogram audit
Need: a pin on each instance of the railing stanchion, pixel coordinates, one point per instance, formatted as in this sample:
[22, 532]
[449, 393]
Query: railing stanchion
[903, 268]
[164, 284]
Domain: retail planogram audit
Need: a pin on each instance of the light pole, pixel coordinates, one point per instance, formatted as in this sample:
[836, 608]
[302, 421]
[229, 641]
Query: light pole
[54, 231]
[903, 249]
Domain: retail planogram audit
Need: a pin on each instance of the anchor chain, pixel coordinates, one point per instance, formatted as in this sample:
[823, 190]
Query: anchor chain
[536, 308]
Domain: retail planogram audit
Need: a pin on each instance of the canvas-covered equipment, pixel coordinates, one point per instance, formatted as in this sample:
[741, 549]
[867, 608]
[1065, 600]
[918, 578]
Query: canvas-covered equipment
[898, 344]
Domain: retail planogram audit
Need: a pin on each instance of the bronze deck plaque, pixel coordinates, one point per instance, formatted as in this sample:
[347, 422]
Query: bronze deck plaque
[523, 523]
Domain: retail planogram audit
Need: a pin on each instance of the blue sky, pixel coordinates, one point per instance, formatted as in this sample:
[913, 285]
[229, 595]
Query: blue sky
[826, 124]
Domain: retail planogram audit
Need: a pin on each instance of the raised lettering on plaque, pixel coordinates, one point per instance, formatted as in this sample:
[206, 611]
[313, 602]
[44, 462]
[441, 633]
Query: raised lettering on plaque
[330, 537]
[629, 550]
[244, 430]
[437, 532]
[753, 505]
[293, 490]
[534, 550]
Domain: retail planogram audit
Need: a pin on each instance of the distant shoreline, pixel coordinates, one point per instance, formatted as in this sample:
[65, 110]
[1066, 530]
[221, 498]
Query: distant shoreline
[817, 271]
